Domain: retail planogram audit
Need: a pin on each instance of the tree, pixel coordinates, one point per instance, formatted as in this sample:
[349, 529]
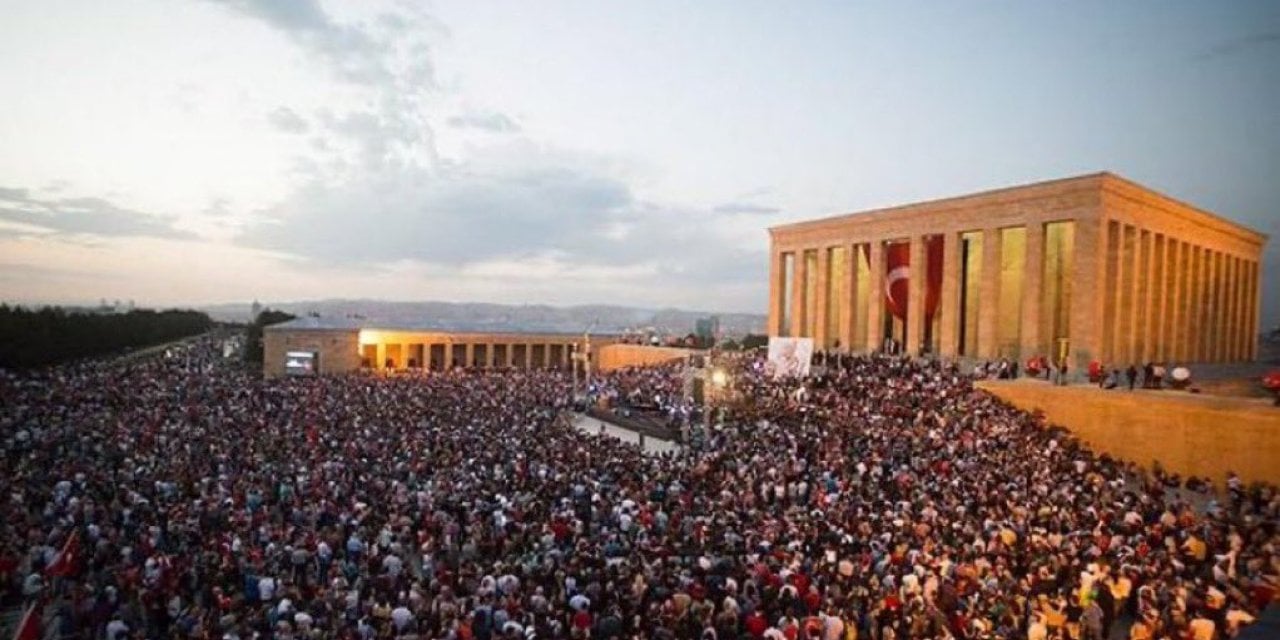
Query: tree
[253, 334]
[754, 341]
[50, 335]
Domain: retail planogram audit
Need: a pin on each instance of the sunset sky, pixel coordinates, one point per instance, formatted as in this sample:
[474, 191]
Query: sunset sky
[202, 151]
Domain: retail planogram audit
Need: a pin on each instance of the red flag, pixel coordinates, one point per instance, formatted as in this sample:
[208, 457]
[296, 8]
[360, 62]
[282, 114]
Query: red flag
[29, 627]
[65, 562]
[897, 274]
[933, 275]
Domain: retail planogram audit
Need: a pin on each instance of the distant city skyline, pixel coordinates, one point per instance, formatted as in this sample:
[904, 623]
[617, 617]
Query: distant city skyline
[210, 151]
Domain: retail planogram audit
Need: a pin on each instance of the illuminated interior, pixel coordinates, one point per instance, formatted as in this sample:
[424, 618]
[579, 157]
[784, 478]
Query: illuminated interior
[837, 289]
[784, 301]
[810, 303]
[1013, 267]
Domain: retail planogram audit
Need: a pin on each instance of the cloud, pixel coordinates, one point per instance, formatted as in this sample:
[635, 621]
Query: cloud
[80, 216]
[746, 208]
[1239, 45]
[287, 120]
[356, 53]
[376, 198]
[493, 122]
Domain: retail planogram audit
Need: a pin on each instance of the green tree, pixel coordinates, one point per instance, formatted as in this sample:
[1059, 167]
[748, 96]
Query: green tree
[51, 335]
[253, 334]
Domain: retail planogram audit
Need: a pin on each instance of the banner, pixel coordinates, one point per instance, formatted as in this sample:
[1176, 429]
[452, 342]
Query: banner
[897, 277]
[789, 357]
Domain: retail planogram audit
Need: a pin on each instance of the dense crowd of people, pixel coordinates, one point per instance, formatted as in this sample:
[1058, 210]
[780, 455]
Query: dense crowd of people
[888, 499]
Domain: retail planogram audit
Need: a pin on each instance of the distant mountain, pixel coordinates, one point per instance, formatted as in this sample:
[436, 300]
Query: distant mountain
[476, 316]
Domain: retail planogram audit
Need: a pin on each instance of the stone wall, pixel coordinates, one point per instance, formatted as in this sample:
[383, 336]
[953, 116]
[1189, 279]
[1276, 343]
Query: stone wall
[339, 349]
[616, 356]
[1206, 436]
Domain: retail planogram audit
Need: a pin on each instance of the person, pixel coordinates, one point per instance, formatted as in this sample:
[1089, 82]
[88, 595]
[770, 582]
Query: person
[891, 493]
[1131, 374]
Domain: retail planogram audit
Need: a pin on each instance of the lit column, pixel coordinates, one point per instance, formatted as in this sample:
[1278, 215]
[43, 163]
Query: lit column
[1209, 328]
[382, 356]
[848, 291]
[1231, 310]
[1255, 311]
[875, 296]
[1121, 349]
[989, 295]
[949, 304]
[1160, 308]
[820, 328]
[1195, 304]
[1238, 312]
[468, 354]
[916, 283]
[1143, 284]
[1086, 312]
[798, 303]
[1184, 297]
[1032, 293]
[775, 292]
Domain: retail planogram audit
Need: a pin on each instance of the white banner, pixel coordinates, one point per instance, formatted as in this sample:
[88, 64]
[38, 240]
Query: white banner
[790, 357]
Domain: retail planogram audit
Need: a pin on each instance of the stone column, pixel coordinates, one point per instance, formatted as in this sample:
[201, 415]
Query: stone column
[1032, 294]
[1255, 311]
[775, 291]
[1086, 309]
[1208, 320]
[916, 283]
[949, 303]
[798, 303]
[1147, 302]
[468, 355]
[1122, 318]
[875, 296]
[528, 355]
[820, 328]
[382, 356]
[1160, 306]
[1229, 309]
[989, 295]
[1238, 311]
[1195, 304]
[848, 292]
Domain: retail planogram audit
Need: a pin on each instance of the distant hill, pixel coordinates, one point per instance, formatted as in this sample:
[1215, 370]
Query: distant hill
[470, 316]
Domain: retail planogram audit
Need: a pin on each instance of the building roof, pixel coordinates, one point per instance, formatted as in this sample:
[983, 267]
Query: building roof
[1103, 180]
[318, 323]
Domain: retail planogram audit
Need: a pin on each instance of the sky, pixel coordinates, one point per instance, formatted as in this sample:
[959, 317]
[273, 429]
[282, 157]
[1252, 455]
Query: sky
[180, 152]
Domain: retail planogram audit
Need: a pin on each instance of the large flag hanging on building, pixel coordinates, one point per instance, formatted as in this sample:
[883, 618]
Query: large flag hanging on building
[933, 276]
[897, 277]
[64, 564]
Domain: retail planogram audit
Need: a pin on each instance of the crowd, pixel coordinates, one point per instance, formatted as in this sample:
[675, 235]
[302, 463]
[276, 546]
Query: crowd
[888, 499]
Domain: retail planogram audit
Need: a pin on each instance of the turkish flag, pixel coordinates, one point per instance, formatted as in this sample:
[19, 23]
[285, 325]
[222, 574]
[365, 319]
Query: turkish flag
[897, 276]
[29, 627]
[64, 563]
[933, 277]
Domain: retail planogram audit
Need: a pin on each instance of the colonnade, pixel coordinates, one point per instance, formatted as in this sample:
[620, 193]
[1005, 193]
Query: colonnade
[1088, 289]
[835, 294]
[486, 354]
[1168, 299]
